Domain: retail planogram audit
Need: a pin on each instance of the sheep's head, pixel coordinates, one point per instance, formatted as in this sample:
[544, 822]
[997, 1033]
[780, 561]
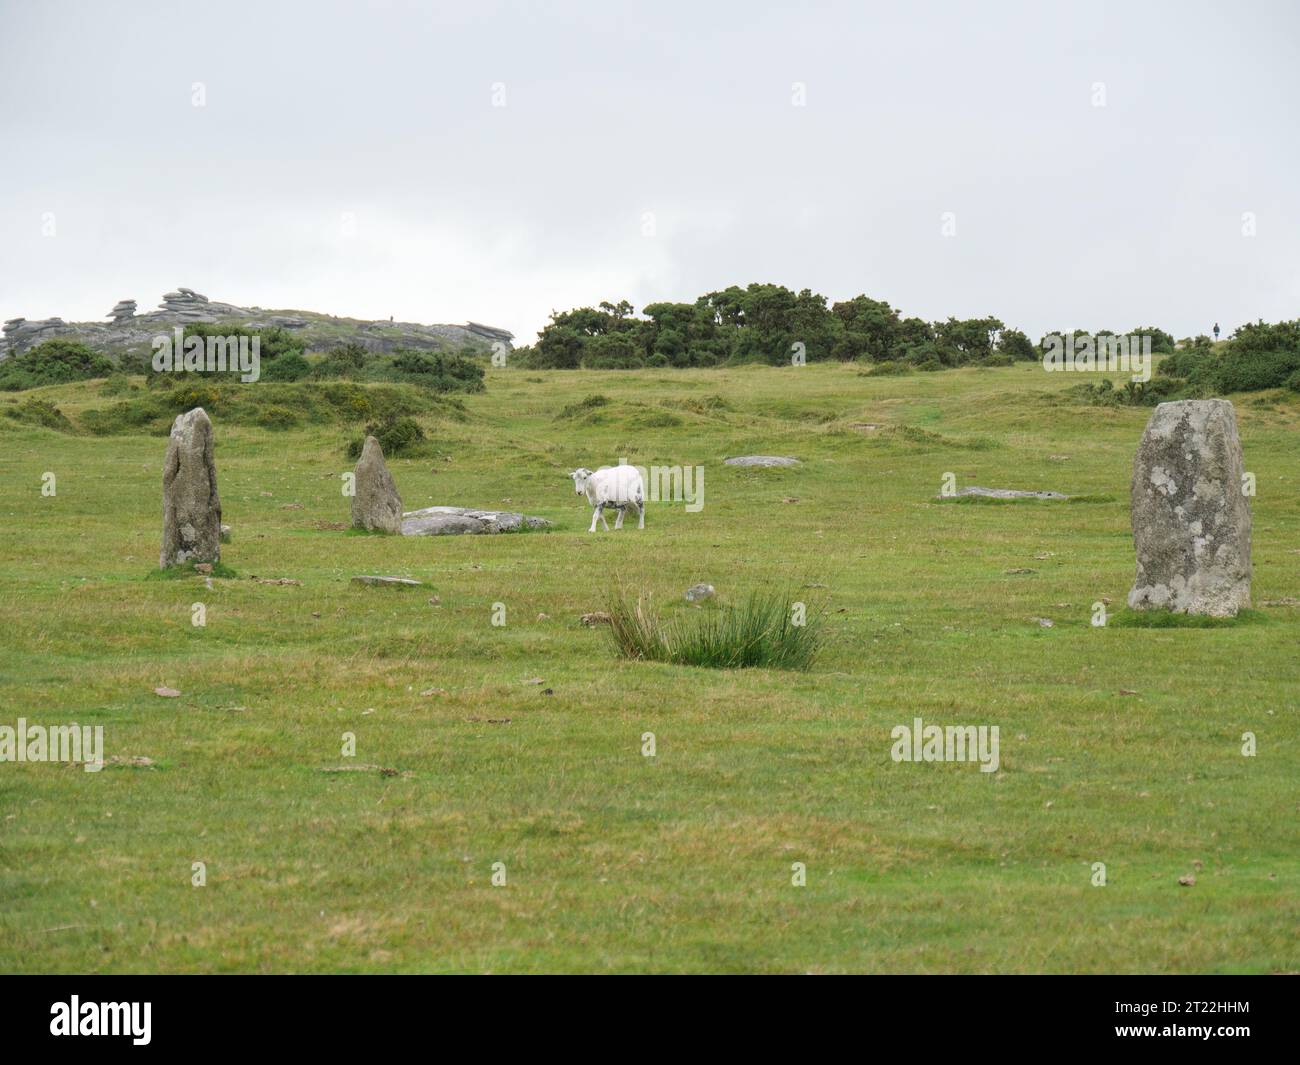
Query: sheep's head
[580, 476]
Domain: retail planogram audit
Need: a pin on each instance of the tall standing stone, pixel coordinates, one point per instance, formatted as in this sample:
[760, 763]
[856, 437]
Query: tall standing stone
[376, 506]
[1191, 517]
[191, 506]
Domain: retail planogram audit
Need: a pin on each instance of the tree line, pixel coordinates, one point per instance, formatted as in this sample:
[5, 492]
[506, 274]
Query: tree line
[772, 324]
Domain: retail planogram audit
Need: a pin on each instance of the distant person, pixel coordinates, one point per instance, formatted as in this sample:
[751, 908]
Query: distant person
[1216, 330]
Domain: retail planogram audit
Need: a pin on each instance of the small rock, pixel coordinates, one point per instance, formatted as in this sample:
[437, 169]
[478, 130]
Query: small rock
[1018, 570]
[543, 617]
[1187, 881]
[387, 582]
[166, 693]
[596, 617]
[697, 593]
[1127, 691]
[763, 461]
[1007, 493]
[1044, 623]
[534, 680]
[433, 691]
[203, 567]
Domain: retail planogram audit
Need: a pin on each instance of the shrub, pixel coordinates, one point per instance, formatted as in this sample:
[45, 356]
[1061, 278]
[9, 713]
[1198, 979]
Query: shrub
[116, 384]
[1249, 371]
[347, 360]
[758, 633]
[277, 418]
[288, 367]
[432, 370]
[39, 412]
[399, 436]
[583, 406]
[53, 362]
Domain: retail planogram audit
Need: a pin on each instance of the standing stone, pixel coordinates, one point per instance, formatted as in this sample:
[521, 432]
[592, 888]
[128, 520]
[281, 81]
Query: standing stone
[376, 506]
[1191, 519]
[191, 506]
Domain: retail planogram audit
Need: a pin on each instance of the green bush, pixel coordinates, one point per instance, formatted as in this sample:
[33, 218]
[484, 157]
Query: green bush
[399, 436]
[54, 362]
[288, 367]
[39, 412]
[889, 368]
[1249, 371]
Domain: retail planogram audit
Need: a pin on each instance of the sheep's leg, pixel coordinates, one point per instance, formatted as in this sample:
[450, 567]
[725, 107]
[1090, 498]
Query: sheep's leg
[618, 522]
[602, 519]
[594, 515]
[640, 511]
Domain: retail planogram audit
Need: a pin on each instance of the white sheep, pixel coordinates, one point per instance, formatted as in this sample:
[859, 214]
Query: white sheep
[619, 487]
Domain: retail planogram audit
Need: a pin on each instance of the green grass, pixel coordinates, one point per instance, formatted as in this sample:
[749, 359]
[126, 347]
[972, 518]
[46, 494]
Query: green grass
[186, 571]
[770, 630]
[616, 861]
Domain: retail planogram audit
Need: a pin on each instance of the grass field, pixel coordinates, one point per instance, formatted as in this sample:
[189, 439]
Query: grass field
[614, 861]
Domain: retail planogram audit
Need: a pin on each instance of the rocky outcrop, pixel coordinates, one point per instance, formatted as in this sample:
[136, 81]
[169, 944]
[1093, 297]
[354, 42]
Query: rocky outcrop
[191, 506]
[376, 506]
[450, 521]
[20, 334]
[130, 332]
[1191, 518]
[488, 332]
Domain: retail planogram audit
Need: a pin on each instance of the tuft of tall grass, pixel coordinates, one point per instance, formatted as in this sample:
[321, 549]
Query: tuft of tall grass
[760, 632]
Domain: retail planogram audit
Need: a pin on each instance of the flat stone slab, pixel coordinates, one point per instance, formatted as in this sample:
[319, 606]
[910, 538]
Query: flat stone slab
[387, 582]
[452, 521]
[1004, 493]
[761, 460]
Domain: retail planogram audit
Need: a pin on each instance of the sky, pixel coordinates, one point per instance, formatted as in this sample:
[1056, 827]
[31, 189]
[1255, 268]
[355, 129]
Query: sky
[1075, 165]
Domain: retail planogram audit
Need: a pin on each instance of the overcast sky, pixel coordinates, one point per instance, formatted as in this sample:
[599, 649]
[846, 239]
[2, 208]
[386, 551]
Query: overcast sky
[350, 158]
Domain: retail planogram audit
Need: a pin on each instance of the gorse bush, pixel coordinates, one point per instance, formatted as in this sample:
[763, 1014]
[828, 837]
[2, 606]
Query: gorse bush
[770, 324]
[54, 362]
[399, 435]
[761, 632]
[1258, 356]
[1103, 393]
